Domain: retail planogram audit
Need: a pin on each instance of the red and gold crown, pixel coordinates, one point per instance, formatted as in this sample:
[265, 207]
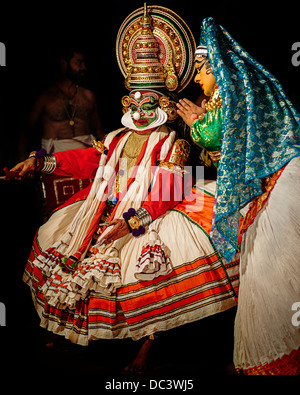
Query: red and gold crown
[155, 49]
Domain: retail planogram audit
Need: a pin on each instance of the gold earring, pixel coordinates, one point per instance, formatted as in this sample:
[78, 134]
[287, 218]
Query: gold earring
[169, 107]
[125, 103]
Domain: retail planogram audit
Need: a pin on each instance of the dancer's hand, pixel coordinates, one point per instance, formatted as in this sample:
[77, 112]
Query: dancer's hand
[119, 230]
[189, 111]
[25, 167]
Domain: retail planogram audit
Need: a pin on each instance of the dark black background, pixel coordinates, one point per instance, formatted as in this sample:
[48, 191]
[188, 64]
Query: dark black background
[34, 34]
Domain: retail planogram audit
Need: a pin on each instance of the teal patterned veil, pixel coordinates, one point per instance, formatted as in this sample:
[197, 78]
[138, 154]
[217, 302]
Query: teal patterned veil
[261, 131]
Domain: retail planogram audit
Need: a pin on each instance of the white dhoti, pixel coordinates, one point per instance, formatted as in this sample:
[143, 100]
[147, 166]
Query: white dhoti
[59, 145]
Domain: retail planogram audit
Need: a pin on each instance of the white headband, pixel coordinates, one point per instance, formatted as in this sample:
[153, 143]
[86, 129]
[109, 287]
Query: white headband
[201, 51]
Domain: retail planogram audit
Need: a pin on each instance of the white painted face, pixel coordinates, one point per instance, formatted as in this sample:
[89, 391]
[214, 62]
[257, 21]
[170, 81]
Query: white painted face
[145, 113]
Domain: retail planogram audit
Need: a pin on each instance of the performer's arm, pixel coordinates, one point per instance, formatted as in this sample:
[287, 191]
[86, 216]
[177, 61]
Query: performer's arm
[166, 192]
[78, 163]
[170, 181]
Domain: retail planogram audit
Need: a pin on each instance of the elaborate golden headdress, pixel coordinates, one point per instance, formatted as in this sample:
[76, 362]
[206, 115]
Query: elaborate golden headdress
[155, 49]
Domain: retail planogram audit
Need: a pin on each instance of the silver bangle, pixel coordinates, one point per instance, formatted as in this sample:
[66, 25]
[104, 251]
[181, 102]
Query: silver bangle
[49, 164]
[144, 217]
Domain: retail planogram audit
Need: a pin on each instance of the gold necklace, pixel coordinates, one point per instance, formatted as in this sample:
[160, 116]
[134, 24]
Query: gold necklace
[214, 101]
[71, 117]
[129, 157]
[134, 144]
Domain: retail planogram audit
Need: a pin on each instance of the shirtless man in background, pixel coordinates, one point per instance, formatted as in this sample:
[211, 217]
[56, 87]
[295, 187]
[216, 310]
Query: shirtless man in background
[68, 111]
[66, 117]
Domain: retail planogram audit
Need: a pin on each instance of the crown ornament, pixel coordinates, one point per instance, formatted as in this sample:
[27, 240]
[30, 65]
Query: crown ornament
[147, 70]
[155, 50]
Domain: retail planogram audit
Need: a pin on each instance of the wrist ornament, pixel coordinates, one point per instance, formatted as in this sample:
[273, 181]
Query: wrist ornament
[44, 162]
[144, 217]
[32, 154]
[133, 222]
[196, 116]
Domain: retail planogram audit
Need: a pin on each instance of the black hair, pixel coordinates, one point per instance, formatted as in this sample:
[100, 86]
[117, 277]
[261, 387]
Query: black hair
[68, 53]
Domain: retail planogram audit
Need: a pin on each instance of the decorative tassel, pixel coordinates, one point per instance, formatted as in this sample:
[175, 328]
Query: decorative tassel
[154, 260]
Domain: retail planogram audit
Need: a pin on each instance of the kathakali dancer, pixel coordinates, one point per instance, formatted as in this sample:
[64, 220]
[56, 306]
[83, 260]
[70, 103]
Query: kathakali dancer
[251, 132]
[128, 256]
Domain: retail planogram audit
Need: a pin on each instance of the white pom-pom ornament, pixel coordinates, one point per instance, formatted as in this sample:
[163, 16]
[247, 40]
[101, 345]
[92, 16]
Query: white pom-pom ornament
[137, 95]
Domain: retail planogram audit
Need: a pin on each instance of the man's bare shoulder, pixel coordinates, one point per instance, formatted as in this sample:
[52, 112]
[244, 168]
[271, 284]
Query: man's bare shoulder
[88, 94]
[49, 94]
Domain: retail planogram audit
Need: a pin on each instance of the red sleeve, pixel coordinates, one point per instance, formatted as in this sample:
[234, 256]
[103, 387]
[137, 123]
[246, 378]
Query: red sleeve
[78, 163]
[168, 189]
[166, 192]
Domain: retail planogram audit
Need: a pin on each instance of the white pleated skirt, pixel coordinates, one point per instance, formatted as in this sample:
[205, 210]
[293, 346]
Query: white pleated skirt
[270, 277]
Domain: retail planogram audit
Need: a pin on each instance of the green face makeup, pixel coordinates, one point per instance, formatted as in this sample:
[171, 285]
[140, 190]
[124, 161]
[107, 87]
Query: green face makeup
[143, 112]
